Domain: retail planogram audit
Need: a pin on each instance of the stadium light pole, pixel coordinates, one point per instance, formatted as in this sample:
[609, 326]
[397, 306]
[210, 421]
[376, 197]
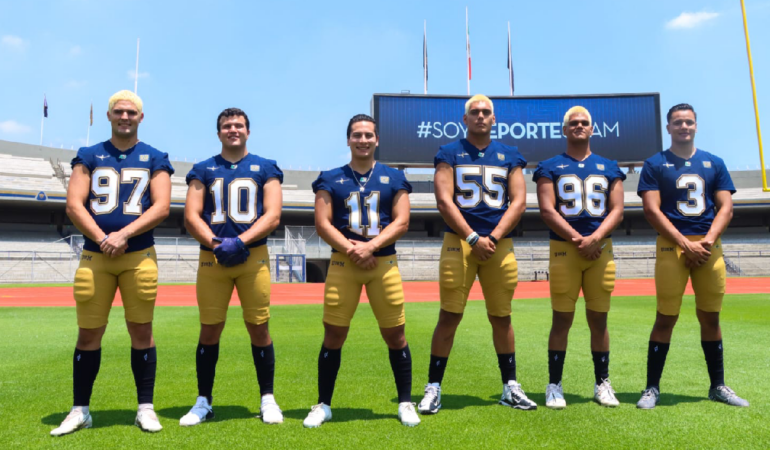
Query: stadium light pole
[754, 95]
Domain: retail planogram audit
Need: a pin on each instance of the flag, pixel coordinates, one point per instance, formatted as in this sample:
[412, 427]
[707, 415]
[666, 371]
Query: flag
[510, 60]
[92, 115]
[425, 56]
[45, 107]
[468, 48]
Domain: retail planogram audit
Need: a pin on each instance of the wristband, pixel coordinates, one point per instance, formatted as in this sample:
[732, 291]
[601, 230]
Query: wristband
[492, 238]
[106, 236]
[472, 239]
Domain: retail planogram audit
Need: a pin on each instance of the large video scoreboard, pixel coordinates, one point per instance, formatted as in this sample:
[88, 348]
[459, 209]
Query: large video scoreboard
[627, 127]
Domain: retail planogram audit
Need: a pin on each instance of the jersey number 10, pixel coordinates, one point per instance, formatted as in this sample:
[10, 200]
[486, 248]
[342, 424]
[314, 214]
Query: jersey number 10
[235, 190]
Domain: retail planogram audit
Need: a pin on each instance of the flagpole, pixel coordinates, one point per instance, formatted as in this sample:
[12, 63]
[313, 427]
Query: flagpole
[425, 56]
[136, 74]
[88, 135]
[42, 122]
[468, 49]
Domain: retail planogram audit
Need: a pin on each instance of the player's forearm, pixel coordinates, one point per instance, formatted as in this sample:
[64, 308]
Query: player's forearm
[452, 216]
[662, 225]
[720, 223]
[150, 219]
[390, 234]
[608, 225]
[199, 230]
[261, 228]
[84, 222]
[558, 224]
[509, 220]
[332, 236]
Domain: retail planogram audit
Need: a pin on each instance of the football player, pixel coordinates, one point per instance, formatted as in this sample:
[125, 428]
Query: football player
[119, 191]
[480, 193]
[580, 195]
[233, 203]
[687, 198]
[361, 209]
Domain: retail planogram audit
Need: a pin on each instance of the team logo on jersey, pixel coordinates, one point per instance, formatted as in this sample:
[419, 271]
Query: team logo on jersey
[102, 157]
[384, 180]
[255, 167]
[481, 154]
[563, 166]
[600, 166]
[581, 165]
[144, 158]
[707, 164]
[687, 163]
[667, 165]
[463, 155]
[122, 157]
[501, 157]
[212, 168]
[234, 166]
[341, 180]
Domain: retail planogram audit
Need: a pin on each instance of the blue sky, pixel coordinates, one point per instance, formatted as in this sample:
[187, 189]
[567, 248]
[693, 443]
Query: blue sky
[302, 69]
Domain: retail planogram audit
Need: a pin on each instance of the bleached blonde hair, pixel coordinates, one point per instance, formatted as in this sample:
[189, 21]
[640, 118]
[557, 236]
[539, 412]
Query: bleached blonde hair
[125, 95]
[576, 110]
[478, 98]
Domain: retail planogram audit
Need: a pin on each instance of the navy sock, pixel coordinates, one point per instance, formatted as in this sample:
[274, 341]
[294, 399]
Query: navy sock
[144, 363]
[507, 364]
[436, 369]
[328, 367]
[601, 366]
[714, 361]
[656, 359]
[85, 367]
[556, 365]
[206, 357]
[264, 362]
[401, 363]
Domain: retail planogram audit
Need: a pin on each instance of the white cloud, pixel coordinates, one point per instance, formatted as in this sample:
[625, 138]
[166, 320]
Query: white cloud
[75, 50]
[13, 42]
[132, 72]
[690, 20]
[75, 84]
[14, 127]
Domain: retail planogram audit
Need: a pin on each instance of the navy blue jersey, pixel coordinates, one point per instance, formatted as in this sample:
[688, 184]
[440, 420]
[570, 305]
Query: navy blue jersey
[362, 204]
[582, 189]
[234, 193]
[120, 187]
[481, 181]
[686, 188]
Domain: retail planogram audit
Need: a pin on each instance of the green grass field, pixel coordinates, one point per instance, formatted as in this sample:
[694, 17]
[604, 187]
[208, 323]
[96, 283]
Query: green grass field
[36, 393]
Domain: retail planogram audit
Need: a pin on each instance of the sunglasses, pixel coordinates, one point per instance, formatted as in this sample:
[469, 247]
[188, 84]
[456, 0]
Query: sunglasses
[574, 123]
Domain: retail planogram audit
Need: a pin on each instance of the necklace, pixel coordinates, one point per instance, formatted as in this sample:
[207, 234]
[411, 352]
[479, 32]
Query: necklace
[362, 187]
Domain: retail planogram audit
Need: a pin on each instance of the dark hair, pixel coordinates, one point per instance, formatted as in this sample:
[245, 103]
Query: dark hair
[680, 107]
[231, 112]
[362, 118]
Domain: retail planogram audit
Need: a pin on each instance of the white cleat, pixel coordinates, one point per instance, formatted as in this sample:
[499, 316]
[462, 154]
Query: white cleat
[147, 420]
[554, 396]
[76, 420]
[269, 411]
[201, 412]
[319, 414]
[431, 403]
[407, 414]
[605, 395]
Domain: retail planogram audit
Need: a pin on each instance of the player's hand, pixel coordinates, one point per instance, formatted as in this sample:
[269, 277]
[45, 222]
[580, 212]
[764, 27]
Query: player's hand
[369, 263]
[483, 249]
[360, 251]
[115, 245]
[588, 247]
[231, 251]
[695, 253]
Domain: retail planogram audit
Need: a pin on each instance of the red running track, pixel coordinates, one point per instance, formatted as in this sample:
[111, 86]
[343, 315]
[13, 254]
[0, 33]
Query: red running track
[301, 294]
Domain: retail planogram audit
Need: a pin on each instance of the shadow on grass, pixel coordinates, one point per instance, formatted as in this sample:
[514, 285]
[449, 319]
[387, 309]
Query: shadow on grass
[666, 399]
[343, 414]
[102, 418]
[221, 412]
[572, 399]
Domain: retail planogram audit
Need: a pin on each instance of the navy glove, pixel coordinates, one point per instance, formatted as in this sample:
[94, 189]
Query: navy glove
[231, 251]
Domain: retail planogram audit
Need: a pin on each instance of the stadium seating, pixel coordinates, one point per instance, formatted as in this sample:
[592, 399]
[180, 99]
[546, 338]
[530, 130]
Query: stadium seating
[28, 174]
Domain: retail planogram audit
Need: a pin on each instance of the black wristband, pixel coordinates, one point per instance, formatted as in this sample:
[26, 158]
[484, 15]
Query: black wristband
[492, 238]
